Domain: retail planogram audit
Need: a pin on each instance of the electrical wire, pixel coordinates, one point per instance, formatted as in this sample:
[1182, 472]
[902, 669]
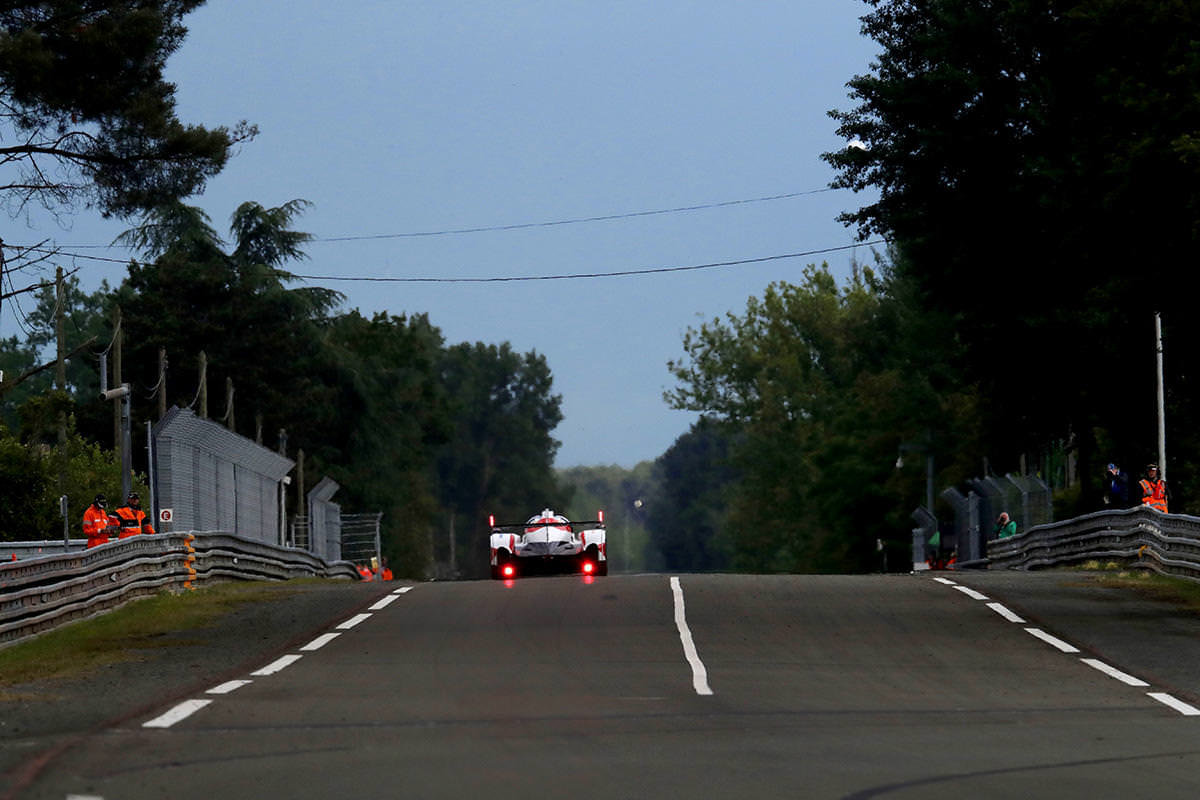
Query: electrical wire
[524, 225]
[579, 275]
[570, 276]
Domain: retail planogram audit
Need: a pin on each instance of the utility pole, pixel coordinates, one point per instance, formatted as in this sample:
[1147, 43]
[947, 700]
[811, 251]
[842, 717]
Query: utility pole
[230, 420]
[162, 382]
[203, 385]
[60, 374]
[1162, 417]
[118, 335]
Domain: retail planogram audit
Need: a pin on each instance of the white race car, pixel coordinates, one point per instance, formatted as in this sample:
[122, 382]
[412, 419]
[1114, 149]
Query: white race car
[548, 542]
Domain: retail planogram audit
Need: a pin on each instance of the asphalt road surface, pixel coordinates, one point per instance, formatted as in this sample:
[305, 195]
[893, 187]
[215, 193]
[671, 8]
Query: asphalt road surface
[779, 686]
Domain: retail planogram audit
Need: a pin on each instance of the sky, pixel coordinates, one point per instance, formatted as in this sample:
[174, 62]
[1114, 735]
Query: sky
[409, 126]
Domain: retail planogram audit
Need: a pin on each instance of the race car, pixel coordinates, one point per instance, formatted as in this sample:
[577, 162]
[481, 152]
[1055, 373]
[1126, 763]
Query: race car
[548, 543]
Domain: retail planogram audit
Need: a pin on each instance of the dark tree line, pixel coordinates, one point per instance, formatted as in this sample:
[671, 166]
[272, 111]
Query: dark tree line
[407, 425]
[1038, 175]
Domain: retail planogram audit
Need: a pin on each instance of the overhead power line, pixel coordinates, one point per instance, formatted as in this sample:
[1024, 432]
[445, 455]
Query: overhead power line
[558, 277]
[574, 221]
[578, 275]
[521, 225]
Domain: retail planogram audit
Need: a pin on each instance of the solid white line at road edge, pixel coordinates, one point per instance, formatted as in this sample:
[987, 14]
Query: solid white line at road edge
[699, 673]
[179, 712]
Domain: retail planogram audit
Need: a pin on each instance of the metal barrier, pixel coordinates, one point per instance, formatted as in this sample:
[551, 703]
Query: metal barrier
[1166, 543]
[41, 593]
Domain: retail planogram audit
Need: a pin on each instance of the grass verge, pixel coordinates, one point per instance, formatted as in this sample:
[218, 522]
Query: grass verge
[124, 634]
[1147, 583]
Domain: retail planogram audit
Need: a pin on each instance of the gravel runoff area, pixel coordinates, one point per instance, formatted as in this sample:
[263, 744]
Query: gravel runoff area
[39, 720]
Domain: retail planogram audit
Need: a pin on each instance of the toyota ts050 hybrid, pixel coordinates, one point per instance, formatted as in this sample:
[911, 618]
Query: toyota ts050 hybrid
[548, 543]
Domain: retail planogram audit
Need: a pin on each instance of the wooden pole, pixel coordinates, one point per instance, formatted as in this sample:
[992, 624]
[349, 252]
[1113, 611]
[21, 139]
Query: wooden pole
[230, 420]
[60, 375]
[117, 341]
[162, 382]
[203, 385]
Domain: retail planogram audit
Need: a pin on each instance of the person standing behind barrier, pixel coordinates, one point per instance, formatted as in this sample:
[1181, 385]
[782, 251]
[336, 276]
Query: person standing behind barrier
[96, 522]
[1116, 492]
[1005, 526]
[1154, 489]
[131, 518]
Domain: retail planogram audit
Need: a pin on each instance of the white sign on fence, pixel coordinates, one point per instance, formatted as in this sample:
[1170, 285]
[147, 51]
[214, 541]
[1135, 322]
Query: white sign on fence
[166, 514]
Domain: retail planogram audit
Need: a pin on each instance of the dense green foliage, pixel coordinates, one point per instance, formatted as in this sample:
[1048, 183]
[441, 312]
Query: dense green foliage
[422, 432]
[627, 497]
[1038, 170]
[811, 393]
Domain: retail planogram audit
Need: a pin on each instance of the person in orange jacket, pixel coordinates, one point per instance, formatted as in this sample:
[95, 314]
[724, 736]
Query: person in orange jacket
[131, 519]
[96, 522]
[1154, 489]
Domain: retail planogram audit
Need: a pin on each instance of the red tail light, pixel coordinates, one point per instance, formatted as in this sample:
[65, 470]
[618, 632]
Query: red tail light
[602, 516]
[508, 571]
[588, 568]
[491, 520]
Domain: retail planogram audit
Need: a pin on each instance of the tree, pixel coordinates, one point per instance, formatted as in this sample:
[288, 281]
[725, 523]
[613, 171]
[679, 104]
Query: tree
[687, 516]
[627, 497]
[89, 115]
[815, 388]
[1031, 160]
[236, 308]
[382, 444]
[86, 117]
[500, 455]
[85, 321]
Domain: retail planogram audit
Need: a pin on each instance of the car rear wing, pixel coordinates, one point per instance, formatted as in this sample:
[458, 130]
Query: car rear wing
[575, 525]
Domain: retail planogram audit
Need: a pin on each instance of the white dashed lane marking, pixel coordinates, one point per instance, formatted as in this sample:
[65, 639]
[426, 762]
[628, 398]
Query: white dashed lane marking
[1053, 641]
[1113, 672]
[275, 666]
[350, 623]
[179, 712]
[1005, 612]
[1129, 680]
[319, 642]
[228, 686]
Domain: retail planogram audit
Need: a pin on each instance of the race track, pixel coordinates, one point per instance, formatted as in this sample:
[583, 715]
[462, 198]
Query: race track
[795, 686]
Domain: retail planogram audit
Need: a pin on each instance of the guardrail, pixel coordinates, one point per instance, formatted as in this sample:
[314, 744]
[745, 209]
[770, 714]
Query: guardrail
[1166, 543]
[40, 593]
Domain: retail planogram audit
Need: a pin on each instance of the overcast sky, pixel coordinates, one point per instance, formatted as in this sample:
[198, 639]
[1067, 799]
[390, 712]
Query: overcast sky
[397, 119]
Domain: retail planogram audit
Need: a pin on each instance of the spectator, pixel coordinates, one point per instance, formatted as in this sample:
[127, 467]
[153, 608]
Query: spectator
[1154, 489]
[1116, 491]
[131, 519]
[96, 522]
[1005, 526]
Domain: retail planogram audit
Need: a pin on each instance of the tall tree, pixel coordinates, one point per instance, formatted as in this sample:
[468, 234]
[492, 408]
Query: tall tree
[235, 307]
[89, 115]
[391, 419]
[87, 118]
[687, 518]
[816, 389]
[1038, 169]
[501, 453]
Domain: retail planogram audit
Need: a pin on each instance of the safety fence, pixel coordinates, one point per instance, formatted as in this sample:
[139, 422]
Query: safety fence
[1165, 543]
[40, 593]
[1027, 499]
